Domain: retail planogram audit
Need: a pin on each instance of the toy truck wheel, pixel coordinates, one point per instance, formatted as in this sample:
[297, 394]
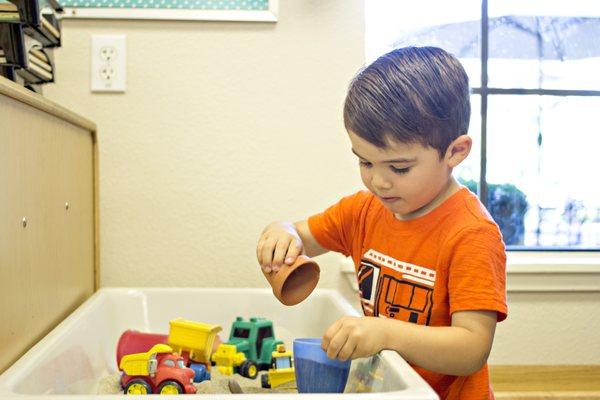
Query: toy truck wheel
[170, 387]
[249, 369]
[264, 381]
[137, 386]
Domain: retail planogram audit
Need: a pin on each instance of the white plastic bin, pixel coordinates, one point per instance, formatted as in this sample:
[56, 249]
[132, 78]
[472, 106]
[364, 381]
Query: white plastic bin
[81, 350]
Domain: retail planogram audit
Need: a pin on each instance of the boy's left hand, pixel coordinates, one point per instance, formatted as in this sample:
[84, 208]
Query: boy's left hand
[354, 337]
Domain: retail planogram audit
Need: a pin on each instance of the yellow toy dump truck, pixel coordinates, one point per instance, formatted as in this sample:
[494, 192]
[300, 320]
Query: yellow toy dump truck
[194, 341]
[158, 371]
[282, 369]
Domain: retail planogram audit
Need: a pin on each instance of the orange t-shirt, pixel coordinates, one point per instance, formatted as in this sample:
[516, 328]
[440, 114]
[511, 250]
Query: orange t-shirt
[422, 270]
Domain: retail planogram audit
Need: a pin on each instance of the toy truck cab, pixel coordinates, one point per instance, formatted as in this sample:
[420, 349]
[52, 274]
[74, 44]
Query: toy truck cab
[156, 371]
[282, 369]
[256, 339]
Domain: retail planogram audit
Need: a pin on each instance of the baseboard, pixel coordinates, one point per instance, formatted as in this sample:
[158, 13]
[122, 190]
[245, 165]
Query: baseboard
[537, 382]
[547, 395]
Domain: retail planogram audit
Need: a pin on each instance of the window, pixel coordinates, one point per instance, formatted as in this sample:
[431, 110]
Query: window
[283, 362]
[532, 67]
[265, 332]
[169, 363]
[241, 333]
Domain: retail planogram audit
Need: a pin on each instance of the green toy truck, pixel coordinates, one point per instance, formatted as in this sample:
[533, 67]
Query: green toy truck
[249, 349]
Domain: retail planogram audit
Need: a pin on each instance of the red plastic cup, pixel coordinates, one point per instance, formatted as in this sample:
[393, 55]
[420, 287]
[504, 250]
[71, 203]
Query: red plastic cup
[132, 341]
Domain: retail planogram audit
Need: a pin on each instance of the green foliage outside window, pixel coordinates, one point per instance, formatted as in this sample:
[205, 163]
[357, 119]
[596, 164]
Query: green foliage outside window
[507, 205]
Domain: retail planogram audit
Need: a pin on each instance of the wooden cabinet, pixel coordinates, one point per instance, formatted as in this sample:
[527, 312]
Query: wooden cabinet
[48, 217]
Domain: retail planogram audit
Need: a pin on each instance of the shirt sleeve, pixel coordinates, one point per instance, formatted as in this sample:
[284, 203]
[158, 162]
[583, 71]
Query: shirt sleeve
[477, 271]
[336, 227]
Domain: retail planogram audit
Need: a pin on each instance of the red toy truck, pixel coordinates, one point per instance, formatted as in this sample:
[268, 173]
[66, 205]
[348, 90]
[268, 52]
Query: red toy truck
[156, 371]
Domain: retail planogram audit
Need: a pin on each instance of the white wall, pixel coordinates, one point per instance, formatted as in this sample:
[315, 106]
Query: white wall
[549, 328]
[227, 126]
[223, 128]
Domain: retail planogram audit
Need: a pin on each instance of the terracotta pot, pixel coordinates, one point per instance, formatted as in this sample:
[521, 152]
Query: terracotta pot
[293, 283]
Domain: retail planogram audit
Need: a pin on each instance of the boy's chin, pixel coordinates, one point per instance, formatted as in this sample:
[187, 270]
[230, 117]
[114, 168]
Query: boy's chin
[404, 212]
[398, 210]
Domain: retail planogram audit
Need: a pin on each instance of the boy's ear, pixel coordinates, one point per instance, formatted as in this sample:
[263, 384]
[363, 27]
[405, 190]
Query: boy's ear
[458, 150]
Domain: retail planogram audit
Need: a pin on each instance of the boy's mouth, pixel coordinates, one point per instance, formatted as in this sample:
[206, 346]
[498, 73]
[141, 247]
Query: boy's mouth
[389, 199]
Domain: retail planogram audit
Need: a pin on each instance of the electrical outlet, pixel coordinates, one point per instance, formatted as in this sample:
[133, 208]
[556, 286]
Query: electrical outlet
[108, 63]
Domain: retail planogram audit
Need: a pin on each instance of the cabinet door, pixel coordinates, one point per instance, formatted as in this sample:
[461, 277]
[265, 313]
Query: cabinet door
[46, 223]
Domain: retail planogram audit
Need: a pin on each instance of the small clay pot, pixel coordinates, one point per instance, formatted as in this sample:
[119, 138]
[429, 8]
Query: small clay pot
[293, 283]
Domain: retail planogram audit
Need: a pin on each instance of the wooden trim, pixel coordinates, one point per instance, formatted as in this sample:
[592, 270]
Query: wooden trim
[96, 211]
[18, 92]
[546, 381]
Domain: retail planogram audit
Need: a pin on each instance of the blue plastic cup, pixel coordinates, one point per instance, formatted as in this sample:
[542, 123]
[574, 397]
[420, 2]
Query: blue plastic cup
[315, 372]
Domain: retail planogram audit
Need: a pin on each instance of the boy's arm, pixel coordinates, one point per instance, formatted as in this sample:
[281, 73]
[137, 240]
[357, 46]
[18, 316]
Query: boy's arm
[460, 349]
[281, 242]
[312, 248]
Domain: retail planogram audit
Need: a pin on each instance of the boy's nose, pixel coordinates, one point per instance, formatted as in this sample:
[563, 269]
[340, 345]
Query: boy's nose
[380, 183]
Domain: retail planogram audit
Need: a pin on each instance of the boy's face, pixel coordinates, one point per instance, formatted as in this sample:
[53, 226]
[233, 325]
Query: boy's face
[406, 177]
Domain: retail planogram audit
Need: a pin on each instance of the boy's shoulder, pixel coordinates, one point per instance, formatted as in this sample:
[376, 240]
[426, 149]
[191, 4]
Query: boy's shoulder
[468, 217]
[473, 209]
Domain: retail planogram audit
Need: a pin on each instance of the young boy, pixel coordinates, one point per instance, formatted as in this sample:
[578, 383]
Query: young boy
[430, 261]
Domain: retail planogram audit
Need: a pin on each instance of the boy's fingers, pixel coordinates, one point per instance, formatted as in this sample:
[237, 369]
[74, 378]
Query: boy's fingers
[329, 334]
[336, 344]
[279, 253]
[259, 247]
[293, 252]
[347, 350]
[267, 253]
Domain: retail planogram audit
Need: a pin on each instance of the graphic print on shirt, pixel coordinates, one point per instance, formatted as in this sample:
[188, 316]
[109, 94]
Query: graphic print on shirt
[394, 289]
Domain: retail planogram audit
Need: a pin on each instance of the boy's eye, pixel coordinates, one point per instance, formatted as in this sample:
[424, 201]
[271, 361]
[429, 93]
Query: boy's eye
[399, 170]
[365, 164]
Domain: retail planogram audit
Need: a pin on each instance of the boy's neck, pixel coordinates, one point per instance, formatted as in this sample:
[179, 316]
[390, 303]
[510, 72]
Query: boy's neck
[448, 190]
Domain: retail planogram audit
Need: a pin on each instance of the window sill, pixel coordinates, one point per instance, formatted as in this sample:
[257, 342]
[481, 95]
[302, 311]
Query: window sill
[536, 272]
[553, 272]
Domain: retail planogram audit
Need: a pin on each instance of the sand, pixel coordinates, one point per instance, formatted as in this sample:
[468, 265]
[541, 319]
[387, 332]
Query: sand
[217, 385]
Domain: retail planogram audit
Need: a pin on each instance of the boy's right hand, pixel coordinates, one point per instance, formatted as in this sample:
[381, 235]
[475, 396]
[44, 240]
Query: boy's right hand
[279, 243]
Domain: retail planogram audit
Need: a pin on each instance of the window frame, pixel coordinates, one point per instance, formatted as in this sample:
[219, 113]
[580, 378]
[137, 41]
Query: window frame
[484, 91]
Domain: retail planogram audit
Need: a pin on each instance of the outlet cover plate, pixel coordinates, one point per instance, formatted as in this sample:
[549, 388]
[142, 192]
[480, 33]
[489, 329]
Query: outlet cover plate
[108, 63]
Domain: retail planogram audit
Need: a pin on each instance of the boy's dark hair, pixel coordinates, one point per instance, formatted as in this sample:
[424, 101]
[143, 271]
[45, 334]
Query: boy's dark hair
[410, 95]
